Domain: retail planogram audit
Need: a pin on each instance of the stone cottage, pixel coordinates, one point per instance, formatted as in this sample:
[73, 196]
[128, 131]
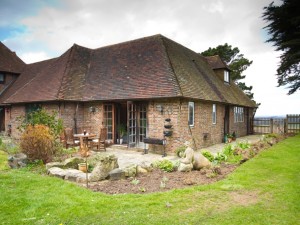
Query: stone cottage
[142, 84]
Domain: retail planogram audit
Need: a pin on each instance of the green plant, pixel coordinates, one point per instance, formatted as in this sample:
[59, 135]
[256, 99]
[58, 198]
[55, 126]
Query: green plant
[180, 151]
[37, 143]
[10, 148]
[272, 135]
[135, 181]
[163, 182]
[165, 165]
[42, 117]
[121, 130]
[228, 150]
[220, 157]
[243, 145]
[142, 189]
[207, 154]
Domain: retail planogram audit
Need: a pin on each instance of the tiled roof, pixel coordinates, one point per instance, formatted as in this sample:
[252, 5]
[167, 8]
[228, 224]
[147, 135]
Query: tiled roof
[216, 62]
[9, 61]
[146, 68]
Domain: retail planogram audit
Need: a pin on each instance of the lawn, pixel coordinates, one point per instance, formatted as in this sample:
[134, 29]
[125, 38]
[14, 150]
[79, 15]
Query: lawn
[264, 190]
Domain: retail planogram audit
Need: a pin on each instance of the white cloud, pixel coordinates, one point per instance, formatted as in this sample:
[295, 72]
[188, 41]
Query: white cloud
[31, 57]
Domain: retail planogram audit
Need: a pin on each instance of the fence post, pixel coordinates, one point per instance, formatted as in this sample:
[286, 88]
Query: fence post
[285, 126]
[271, 125]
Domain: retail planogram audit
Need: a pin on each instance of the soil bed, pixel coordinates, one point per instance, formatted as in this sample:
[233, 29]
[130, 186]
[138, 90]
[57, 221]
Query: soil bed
[153, 181]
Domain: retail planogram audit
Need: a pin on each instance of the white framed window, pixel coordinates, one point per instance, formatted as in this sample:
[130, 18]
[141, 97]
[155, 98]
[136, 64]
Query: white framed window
[214, 113]
[226, 76]
[191, 112]
[238, 114]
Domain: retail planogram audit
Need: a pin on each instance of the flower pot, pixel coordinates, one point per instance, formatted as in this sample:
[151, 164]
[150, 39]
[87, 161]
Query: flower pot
[121, 141]
[83, 167]
[167, 133]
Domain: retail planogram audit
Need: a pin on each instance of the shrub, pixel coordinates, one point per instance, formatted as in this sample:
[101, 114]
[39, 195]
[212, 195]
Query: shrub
[180, 151]
[37, 143]
[165, 165]
[42, 117]
[208, 155]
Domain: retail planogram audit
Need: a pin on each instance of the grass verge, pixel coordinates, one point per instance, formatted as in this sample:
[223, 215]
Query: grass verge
[264, 190]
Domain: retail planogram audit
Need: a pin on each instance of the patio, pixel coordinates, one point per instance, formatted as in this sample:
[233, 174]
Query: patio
[128, 157]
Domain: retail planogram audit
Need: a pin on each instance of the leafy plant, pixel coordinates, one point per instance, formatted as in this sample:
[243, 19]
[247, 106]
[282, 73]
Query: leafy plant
[41, 116]
[10, 148]
[165, 165]
[243, 145]
[37, 143]
[142, 189]
[180, 151]
[228, 150]
[163, 182]
[220, 157]
[135, 181]
[207, 154]
[121, 129]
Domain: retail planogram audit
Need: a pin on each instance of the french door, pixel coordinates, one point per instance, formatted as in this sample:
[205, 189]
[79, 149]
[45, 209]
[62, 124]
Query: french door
[137, 123]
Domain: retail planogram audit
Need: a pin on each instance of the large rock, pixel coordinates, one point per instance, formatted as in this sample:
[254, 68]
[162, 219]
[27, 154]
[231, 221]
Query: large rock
[116, 174]
[57, 172]
[73, 174]
[73, 162]
[17, 160]
[144, 167]
[130, 171]
[200, 161]
[54, 164]
[103, 163]
[183, 167]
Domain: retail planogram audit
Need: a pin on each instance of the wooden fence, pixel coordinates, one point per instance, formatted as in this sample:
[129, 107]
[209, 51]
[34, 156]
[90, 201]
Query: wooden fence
[290, 124]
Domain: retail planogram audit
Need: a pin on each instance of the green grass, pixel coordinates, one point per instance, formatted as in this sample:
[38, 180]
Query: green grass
[264, 190]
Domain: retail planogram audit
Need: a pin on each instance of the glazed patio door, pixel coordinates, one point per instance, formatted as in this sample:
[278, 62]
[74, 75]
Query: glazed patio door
[109, 120]
[137, 124]
[142, 124]
[132, 124]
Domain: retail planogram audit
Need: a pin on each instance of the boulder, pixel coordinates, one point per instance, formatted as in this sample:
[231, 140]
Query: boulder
[73, 174]
[103, 163]
[200, 161]
[117, 174]
[73, 162]
[183, 167]
[17, 160]
[57, 172]
[54, 164]
[140, 169]
[130, 171]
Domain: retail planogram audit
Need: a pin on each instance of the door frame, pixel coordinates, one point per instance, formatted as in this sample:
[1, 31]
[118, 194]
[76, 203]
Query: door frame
[226, 120]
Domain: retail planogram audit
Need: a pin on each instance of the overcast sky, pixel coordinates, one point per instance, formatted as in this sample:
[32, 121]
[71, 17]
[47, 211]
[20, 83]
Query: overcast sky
[38, 30]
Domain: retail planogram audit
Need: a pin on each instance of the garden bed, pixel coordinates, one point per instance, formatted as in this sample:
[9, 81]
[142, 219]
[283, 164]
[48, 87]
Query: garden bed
[160, 181]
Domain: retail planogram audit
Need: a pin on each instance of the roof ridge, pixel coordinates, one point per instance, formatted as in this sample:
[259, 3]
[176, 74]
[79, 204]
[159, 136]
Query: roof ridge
[130, 41]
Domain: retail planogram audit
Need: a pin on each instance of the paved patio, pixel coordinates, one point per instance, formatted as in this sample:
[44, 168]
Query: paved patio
[127, 157]
[219, 147]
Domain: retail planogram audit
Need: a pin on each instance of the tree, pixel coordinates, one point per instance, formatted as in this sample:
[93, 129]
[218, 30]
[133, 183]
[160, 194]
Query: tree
[284, 29]
[235, 61]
